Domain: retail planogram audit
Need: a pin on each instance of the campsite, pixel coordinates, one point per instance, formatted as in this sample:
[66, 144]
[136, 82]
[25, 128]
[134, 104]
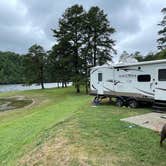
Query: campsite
[83, 83]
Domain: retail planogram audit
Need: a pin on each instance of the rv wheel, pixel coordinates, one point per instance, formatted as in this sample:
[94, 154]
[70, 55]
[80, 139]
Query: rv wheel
[119, 102]
[133, 103]
[96, 101]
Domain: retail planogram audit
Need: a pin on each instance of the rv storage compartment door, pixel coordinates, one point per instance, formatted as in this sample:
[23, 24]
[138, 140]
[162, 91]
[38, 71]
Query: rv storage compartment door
[160, 91]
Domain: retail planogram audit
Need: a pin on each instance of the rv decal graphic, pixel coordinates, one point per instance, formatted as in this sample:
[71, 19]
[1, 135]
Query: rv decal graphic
[94, 71]
[102, 67]
[114, 81]
[108, 89]
[161, 89]
[110, 81]
[128, 76]
[93, 86]
[145, 92]
[131, 70]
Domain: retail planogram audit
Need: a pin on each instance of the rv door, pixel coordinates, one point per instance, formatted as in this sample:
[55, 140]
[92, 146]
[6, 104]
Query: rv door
[100, 83]
[160, 90]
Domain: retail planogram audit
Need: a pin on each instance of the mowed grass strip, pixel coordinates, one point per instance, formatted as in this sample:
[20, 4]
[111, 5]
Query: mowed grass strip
[18, 132]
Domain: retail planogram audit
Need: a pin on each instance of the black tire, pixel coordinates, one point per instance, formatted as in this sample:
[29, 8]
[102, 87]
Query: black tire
[119, 102]
[110, 100]
[133, 103]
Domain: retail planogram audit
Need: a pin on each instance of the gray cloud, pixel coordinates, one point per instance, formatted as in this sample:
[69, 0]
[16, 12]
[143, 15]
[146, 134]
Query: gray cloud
[23, 23]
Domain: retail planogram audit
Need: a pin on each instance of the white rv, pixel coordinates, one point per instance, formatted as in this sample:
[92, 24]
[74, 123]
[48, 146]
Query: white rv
[130, 83]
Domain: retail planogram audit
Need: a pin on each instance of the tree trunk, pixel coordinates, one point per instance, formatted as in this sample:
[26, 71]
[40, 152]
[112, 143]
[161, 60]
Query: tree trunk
[94, 58]
[42, 85]
[62, 84]
[42, 79]
[76, 61]
[95, 51]
[86, 87]
[77, 88]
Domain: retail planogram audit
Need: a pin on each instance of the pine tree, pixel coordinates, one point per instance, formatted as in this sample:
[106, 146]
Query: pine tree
[60, 64]
[99, 41]
[162, 40]
[70, 30]
[34, 63]
[98, 45]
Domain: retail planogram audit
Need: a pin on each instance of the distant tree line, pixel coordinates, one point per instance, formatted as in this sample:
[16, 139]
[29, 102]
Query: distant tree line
[11, 68]
[126, 57]
[83, 40]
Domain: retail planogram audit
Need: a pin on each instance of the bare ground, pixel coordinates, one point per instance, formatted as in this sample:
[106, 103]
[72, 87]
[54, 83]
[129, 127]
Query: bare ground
[60, 151]
[153, 121]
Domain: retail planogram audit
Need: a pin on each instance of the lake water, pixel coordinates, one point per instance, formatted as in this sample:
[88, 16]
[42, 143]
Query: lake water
[21, 87]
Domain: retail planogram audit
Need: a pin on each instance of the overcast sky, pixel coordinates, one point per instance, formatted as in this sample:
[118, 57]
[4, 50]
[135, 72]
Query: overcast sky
[26, 22]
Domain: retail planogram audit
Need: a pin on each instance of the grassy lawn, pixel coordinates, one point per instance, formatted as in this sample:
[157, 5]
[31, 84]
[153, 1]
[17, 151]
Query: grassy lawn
[62, 128]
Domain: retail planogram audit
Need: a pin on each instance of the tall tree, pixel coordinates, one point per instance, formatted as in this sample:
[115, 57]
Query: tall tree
[99, 31]
[59, 63]
[162, 40]
[98, 44]
[70, 30]
[34, 65]
[88, 41]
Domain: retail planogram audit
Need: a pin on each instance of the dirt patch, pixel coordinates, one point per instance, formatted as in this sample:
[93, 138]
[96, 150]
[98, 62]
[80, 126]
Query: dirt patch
[153, 121]
[15, 102]
[56, 152]
[60, 151]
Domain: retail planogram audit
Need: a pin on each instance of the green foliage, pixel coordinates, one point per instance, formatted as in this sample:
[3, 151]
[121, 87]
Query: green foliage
[11, 68]
[70, 32]
[152, 56]
[98, 36]
[59, 63]
[162, 40]
[84, 40]
[34, 63]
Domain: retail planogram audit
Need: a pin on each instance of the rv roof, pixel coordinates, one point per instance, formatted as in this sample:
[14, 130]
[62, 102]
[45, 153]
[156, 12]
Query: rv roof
[141, 63]
[132, 64]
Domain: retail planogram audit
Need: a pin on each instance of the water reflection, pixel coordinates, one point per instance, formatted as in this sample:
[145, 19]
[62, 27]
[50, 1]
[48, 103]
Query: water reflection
[21, 87]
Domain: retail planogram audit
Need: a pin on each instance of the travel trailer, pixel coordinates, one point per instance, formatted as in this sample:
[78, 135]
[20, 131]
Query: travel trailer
[131, 83]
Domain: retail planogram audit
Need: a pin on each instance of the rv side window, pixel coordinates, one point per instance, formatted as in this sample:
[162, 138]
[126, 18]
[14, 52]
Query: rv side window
[144, 78]
[100, 78]
[162, 75]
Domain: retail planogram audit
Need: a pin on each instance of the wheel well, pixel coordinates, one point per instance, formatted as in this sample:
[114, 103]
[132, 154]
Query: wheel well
[121, 98]
[132, 98]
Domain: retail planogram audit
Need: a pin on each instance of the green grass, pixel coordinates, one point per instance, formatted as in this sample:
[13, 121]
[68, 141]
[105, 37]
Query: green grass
[95, 133]
[20, 128]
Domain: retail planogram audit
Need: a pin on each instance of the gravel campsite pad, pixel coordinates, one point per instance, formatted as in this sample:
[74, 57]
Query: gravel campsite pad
[11, 103]
[153, 121]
